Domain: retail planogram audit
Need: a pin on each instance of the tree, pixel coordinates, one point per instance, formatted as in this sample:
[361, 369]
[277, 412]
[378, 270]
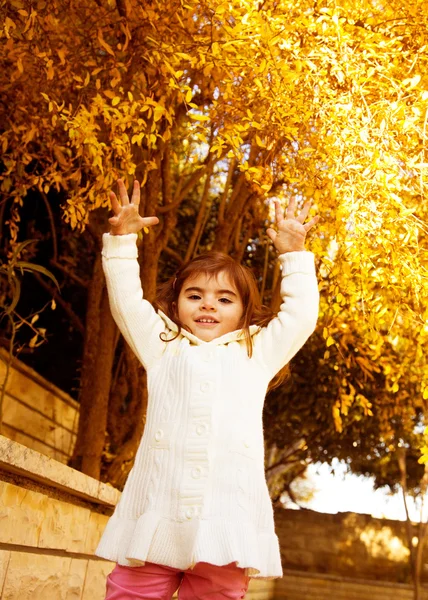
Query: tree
[218, 107]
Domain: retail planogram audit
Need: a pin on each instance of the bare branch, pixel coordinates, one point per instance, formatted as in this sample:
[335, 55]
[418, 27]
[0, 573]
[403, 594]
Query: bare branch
[76, 322]
[188, 186]
[52, 224]
[173, 255]
[200, 218]
[82, 282]
[223, 198]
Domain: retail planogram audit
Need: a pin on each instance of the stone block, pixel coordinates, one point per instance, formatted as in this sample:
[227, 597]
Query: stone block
[36, 426]
[40, 577]
[25, 418]
[65, 414]
[95, 582]
[260, 590]
[33, 519]
[96, 526]
[64, 526]
[323, 544]
[300, 559]
[296, 541]
[4, 562]
[29, 392]
[21, 514]
[76, 578]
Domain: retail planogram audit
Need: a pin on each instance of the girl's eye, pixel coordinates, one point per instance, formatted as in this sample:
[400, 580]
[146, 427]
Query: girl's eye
[225, 300]
[194, 297]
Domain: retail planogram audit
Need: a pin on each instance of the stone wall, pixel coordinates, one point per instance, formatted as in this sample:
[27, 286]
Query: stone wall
[297, 585]
[36, 413]
[344, 544]
[344, 556]
[51, 518]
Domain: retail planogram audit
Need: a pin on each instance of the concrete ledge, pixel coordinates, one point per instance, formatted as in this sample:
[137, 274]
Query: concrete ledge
[299, 585]
[16, 458]
[341, 579]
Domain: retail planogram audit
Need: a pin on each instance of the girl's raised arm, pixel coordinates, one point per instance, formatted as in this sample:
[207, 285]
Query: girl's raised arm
[282, 338]
[136, 318]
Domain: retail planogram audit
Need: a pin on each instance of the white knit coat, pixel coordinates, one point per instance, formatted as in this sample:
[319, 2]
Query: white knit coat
[197, 490]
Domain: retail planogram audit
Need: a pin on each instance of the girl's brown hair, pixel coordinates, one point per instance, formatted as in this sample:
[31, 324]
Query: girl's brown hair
[211, 264]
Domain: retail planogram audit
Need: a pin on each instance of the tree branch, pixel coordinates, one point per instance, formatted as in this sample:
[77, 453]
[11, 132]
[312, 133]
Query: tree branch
[52, 224]
[189, 185]
[77, 323]
[223, 198]
[173, 255]
[200, 218]
[82, 282]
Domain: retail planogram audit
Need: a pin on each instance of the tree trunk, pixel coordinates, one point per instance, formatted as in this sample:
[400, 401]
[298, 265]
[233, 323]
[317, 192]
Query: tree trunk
[90, 349]
[118, 470]
[98, 408]
[98, 354]
[126, 401]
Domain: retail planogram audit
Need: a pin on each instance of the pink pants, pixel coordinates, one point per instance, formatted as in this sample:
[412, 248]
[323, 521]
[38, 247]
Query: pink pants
[157, 582]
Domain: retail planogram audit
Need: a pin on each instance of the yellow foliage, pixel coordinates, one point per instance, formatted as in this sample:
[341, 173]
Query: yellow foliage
[328, 102]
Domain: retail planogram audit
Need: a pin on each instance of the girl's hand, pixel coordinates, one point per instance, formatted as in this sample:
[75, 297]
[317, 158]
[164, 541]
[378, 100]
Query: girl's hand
[126, 216]
[292, 231]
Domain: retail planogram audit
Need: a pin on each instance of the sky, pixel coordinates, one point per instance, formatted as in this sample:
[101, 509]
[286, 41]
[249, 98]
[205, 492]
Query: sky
[343, 492]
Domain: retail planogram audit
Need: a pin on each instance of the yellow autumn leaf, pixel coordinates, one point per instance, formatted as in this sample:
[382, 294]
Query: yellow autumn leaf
[104, 44]
[33, 341]
[158, 112]
[259, 142]
[197, 117]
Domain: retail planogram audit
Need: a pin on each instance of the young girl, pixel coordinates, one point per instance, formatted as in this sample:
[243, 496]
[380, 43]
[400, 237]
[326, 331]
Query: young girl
[195, 513]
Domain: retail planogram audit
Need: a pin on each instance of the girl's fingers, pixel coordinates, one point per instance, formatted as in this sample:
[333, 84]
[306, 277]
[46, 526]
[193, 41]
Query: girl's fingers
[114, 203]
[149, 221]
[122, 192]
[305, 211]
[271, 233]
[311, 223]
[291, 208]
[136, 193]
[279, 213]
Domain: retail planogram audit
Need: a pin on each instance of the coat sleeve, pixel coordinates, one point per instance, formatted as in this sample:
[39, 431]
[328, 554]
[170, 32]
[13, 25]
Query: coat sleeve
[282, 338]
[136, 318]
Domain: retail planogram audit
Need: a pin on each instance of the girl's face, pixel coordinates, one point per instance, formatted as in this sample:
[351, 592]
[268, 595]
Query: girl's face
[210, 306]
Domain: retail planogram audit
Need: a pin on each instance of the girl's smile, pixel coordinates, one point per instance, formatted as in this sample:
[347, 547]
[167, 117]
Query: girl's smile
[210, 306]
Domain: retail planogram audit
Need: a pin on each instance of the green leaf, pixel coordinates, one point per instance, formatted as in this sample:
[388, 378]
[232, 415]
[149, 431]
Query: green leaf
[15, 283]
[27, 266]
[20, 247]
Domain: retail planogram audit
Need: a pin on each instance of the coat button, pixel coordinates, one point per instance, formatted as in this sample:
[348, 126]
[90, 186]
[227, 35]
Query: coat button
[158, 435]
[189, 513]
[196, 472]
[205, 386]
[246, 444]
[201, 428]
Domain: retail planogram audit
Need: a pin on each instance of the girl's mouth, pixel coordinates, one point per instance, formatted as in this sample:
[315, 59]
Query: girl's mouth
[206, 321]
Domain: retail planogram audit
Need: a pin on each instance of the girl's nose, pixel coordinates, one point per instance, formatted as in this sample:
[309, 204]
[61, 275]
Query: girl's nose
[208, 305]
